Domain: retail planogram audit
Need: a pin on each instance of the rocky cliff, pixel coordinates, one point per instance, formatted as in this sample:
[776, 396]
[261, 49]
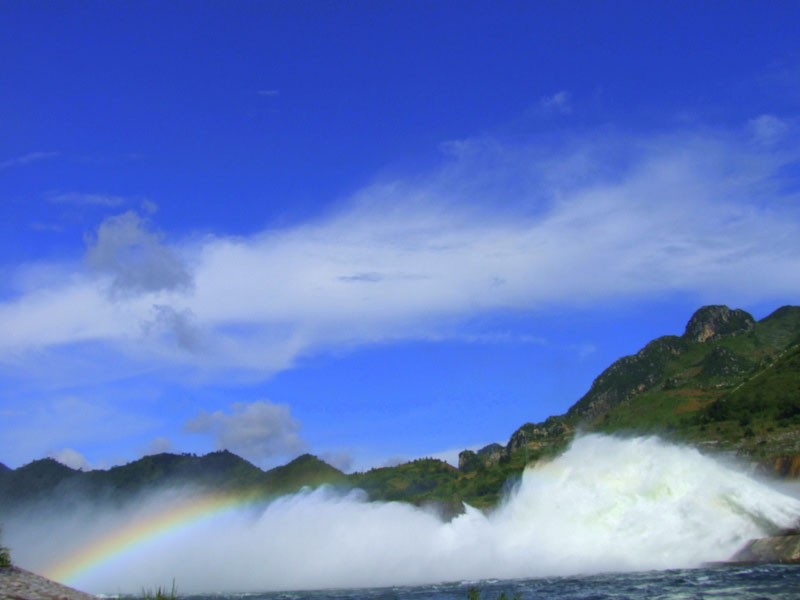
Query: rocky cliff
[778, 549]
[714, 322]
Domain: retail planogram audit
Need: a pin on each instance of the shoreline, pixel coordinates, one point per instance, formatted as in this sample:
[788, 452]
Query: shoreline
[18, 584]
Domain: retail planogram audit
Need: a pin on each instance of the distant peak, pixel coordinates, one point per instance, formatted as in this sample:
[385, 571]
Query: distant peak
[716, 321]
[307, 459]
[48, 465]
[782, 312]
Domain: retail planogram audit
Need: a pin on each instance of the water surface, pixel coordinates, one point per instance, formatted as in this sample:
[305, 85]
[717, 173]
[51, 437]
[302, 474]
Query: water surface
[762, 582]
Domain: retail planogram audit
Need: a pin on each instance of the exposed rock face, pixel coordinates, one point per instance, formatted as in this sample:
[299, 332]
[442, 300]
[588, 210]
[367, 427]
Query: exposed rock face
[786, 467]
[538, 433]
[779, 549]
[714, 322]
[627, 377]
[491, 453]
[486, 456]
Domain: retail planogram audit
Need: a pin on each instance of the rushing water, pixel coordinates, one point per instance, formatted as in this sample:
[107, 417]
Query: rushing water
[764, 582]
[607, 505]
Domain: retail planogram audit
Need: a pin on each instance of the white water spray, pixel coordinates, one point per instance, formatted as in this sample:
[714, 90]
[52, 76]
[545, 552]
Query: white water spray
[607, 504]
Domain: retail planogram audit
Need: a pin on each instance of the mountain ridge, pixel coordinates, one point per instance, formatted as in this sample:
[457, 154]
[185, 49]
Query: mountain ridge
[721, 351]
[728, 384]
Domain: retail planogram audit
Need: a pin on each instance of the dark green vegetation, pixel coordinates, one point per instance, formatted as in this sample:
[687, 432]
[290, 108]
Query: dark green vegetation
[5, 557]
[728, 384]
[161, 593]
[48, 480]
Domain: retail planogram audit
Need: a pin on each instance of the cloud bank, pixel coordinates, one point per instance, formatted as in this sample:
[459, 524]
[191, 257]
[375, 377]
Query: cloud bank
[499, 225]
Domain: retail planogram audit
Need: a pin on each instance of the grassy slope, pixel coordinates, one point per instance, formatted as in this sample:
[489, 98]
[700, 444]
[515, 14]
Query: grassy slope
[738, 393]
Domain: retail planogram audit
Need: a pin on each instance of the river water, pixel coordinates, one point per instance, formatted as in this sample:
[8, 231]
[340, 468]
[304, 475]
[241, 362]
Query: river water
[763, 582]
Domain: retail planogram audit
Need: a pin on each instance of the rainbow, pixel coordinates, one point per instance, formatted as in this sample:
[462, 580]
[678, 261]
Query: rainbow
[141, 532]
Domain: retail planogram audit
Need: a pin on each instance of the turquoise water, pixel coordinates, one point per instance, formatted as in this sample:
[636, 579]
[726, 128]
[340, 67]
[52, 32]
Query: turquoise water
[763, 582]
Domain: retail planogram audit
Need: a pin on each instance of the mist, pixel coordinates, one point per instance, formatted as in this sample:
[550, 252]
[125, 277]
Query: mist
[606, 504]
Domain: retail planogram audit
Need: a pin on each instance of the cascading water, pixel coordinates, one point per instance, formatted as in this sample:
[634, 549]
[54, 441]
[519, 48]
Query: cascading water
[606, 504]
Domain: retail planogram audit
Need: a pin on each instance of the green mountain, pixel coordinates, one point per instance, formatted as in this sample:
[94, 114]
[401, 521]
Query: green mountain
[305, 470]
[728, 384]
[49, 481]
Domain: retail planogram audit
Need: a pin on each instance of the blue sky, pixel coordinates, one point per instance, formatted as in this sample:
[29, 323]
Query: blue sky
[372, 230]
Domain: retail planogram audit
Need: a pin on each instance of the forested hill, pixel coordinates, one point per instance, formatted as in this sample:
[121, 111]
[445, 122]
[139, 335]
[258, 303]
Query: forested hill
[49, 481]
[728, 384]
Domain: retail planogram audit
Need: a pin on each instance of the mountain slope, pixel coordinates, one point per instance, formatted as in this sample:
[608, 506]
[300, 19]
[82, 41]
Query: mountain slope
[728, 383]
[711, 385]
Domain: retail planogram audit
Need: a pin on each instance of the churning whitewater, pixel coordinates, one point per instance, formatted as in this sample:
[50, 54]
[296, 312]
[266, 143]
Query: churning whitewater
[607, 504]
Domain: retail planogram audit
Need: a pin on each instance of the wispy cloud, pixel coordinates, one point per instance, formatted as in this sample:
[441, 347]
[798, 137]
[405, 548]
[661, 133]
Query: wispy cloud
[768, 128]
[585, 349]
[340, 459]
[158, 445]
[47, 227]
[558, 102]
[272, 93]
[26, 159]
[363, 277]
[71, 458]
[83, 199]
[497, 227]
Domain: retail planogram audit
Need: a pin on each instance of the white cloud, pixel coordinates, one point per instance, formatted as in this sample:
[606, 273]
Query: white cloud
[71, 458]
[558, 102]
[158, 445]
[339, 459]
[585, 349]
[149, 207]
[26, 159]
[497, 227]
[768, 129]
[257, 431]
[271, 93]
[450, 456]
